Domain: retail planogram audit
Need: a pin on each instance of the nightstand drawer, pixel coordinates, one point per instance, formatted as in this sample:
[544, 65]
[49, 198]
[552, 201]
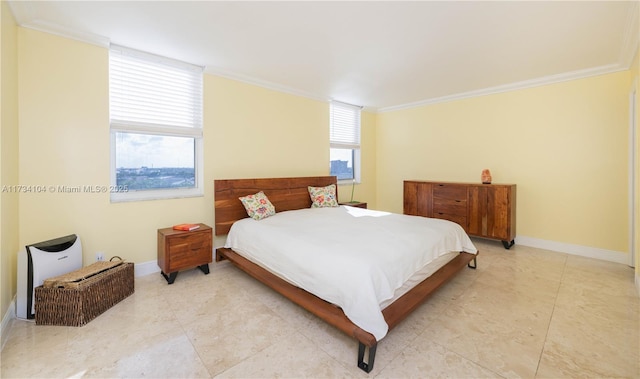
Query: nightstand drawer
[177, 251]
[186, 257]
[189, 242]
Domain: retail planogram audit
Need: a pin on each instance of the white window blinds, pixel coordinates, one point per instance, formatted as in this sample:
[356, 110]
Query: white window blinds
[148, 91]
[345, 125]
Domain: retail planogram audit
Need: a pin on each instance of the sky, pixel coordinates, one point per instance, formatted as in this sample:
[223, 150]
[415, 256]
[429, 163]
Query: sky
[136, 150]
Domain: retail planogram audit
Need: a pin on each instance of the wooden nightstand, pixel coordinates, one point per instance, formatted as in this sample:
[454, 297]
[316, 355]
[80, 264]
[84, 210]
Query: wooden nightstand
[357, 204]
[179, 250]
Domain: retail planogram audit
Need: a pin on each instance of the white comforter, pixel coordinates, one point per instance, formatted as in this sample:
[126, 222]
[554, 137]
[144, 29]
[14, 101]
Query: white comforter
[352, 257]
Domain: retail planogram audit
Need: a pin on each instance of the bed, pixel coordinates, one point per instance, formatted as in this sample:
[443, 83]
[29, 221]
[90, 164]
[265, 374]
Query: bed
[371, 298]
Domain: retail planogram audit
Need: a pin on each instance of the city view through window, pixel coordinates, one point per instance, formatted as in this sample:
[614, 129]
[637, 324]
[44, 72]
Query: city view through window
[146, 162]
[342, 163]
[144, 178]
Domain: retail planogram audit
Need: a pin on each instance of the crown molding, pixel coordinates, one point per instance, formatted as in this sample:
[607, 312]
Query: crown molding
[551, 79]
[22, 11]
[52, 28]
[25, 16]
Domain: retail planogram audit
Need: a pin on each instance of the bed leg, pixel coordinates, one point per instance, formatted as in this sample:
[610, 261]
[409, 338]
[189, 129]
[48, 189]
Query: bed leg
[475, 264]
[366, 366]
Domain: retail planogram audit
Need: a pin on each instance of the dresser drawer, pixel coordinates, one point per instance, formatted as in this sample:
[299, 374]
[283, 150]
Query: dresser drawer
[450, 203]
[450, 191]
[450, 206]
[460, 220]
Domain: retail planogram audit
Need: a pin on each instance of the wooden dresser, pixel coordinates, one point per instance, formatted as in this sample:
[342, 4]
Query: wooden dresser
[483, 210]
[179, 250]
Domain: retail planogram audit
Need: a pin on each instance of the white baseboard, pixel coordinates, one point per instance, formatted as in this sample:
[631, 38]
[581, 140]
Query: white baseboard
[585, 251]
[5, 327]
[146, 268]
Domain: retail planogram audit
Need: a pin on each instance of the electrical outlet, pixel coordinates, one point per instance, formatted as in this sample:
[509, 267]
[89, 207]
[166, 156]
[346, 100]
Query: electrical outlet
[99, 256]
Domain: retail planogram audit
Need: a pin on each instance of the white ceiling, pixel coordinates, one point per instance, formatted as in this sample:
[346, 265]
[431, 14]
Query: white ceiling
[382, 55]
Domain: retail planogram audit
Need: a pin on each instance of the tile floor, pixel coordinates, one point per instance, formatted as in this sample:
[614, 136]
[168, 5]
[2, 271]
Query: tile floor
[524, 312]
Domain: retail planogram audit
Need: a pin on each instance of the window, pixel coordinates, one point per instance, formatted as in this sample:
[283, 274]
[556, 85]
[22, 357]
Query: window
[345, 141]
[155, 107]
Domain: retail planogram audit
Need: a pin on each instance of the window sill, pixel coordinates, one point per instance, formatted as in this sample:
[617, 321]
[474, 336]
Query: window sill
[123, 197]
[346, 182]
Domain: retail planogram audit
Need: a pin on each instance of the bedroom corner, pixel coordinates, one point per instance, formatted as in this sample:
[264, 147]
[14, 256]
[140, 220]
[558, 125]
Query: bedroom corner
[9, 163]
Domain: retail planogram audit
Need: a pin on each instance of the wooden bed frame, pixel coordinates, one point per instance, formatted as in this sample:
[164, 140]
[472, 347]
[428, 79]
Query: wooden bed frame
[290, 194]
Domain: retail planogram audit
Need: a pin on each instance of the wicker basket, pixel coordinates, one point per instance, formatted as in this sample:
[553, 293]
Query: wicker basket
[78, 297]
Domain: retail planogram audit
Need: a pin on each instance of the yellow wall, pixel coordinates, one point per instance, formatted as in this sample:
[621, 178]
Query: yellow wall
[255, 132]
[564, 145]
[249, 131]
[9, 156]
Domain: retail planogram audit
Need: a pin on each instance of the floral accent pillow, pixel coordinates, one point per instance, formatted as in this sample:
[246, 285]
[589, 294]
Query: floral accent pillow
[258, 206]
[323, 196]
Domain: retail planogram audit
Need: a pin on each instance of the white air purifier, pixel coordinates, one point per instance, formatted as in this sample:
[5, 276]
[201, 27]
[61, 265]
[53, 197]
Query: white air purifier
[41, 261]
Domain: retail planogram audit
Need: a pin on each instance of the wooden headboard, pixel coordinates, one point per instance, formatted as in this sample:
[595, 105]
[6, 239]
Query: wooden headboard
[284, 193]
